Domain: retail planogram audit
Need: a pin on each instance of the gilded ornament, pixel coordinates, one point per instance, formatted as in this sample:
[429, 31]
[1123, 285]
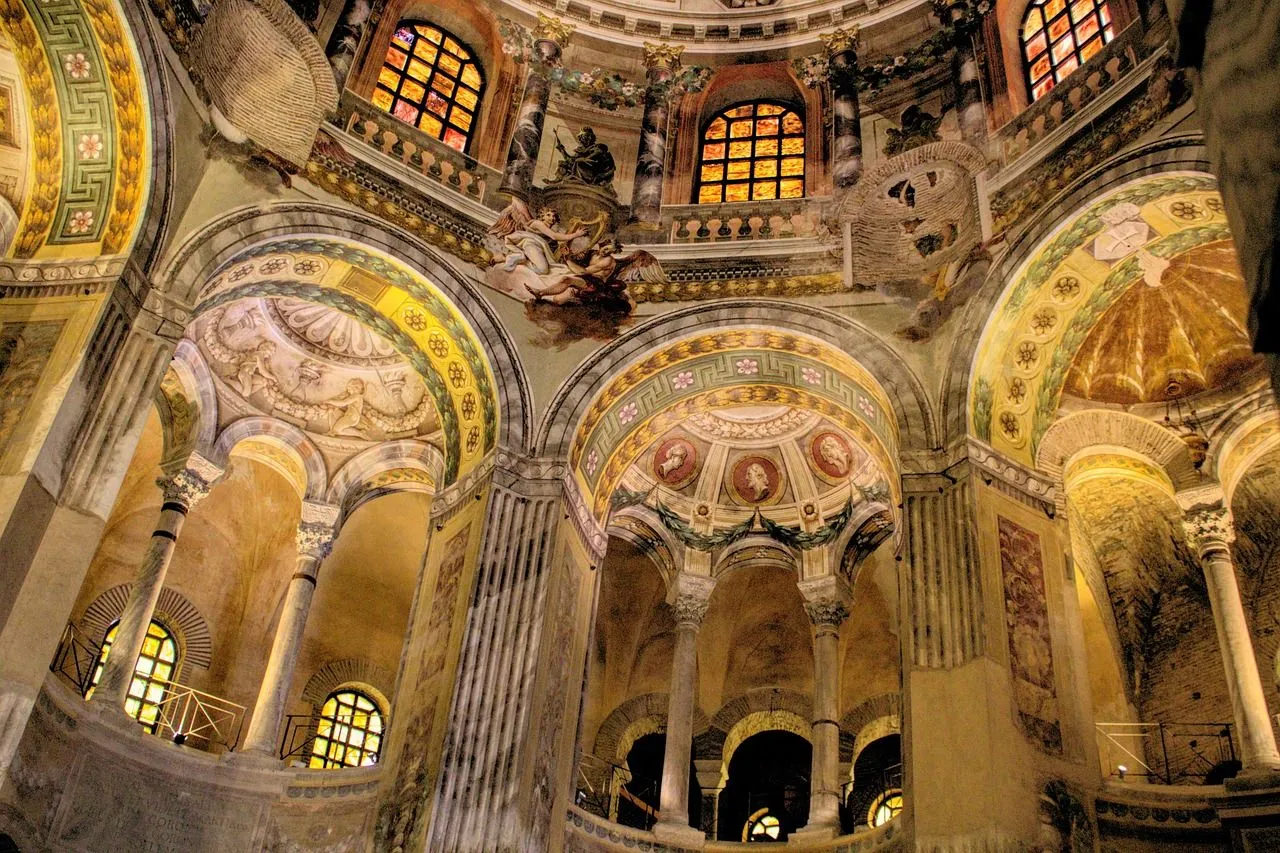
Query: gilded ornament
[552, 29]
[840, 39]
[662, 55]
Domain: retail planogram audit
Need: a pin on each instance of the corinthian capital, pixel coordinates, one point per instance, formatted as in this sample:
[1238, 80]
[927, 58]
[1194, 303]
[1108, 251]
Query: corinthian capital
[317, 529]
[552, 29]
[689, 596]
[191, 484]
[840, 40]
[827, 600]
[662, 55]
[1206, 518]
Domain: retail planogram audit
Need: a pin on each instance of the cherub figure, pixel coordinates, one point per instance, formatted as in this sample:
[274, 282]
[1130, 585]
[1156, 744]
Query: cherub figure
[254, 370]
[603, 276]
[530, 241]
[351, 402]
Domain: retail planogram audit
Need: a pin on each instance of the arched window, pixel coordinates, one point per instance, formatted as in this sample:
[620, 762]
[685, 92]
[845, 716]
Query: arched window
[349, 733]
[1058, 37]
[432, 81]
[885, 808]
[151, 674]
[752, 152]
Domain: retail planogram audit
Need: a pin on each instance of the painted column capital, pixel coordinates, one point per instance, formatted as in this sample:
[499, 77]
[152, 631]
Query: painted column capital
[317, 529]
[840, 40]
[827, 600]
[552, 30]
[662, 56]
[190, 484]
[689, 596]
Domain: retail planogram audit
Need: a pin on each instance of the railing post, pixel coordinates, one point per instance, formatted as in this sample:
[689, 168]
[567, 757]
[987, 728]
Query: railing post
[1164, 750]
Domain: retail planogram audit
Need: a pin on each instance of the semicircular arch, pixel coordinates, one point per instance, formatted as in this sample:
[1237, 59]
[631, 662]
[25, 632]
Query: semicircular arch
[279, 445]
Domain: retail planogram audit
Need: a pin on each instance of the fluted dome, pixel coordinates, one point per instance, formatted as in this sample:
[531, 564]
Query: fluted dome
[1183, 334]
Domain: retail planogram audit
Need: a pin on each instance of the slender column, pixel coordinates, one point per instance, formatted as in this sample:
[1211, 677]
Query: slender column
[842, 58]
[316, 531]
[1210, 529]
[827, 601]
[661, 60]
[549, 38]
[690, 595]
[964, 68]
[182, 491]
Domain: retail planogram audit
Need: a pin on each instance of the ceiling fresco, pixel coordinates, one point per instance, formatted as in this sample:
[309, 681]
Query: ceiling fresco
[1140, 236]
[362, 315]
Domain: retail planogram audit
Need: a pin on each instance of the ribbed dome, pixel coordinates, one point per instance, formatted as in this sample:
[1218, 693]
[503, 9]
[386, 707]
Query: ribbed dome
[1157, 343]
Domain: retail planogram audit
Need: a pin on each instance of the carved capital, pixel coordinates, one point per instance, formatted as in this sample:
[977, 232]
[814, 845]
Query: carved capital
[840, 40]
[191, 484]
[827, 600]
[689, 596]
[1209, 528]
[662, 55]
[553, 30]
[317, 529]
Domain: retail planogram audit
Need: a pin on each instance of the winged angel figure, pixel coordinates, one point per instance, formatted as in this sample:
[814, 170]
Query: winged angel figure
[540, 263]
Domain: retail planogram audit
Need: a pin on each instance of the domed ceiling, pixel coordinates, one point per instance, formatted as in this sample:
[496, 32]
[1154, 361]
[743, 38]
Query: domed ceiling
[726, 464]
[314, 367]
[1178, 331]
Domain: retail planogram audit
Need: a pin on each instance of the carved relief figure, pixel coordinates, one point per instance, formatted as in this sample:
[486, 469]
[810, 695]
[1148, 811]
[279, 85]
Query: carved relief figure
[756, 480]
[675, 462]
[352, 405]
[254, 371]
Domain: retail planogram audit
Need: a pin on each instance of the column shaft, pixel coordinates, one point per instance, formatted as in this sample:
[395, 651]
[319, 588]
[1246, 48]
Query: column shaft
[824, 784]
[139, 609]
[674, 802]
[846, 160]
[526, 142]
[969, 109]
[268, 711]
[646, 195]
[1257, 742]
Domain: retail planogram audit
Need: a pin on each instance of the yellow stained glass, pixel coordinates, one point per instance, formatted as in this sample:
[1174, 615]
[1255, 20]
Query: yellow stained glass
[1066, 68]
[759, 135]
[709, 194]
[765, 169]
[460, 118]
[792, 189]
[766, 147]
[765, 190]
[1086, 31]
[716, 129]
[431, 125]
[151, 673]
[1059, 28]
[1090, 49]
[1053, 7]
[431, 33]
[791, 123]
[767, 127]
[1040, 69]
[402, 37]
[471, 77]
[426, 52]
[382, 99]
[418, 70]
[395, 57]
[1035, 46]
[1034, 24]
[736, 192]
[768, 109]
[412, 91]
[389, 78]
[449, 64]
[443, 85]
[740, 129]
[739, 169]
[466, 98]
[793, 166]
[739, 112]
[739, 149]
[348, 733]
[713, 151]
[713, 173]
[452, 46]
[794, 145]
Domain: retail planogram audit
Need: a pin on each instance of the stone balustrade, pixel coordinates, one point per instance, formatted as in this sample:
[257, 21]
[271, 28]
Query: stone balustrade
[757, 220]
[442, 165]
[1101, 74]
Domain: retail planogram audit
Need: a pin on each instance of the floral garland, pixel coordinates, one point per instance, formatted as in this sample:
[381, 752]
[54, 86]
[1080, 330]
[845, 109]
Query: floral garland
[608, 90]
[875, 74]
[792, 537]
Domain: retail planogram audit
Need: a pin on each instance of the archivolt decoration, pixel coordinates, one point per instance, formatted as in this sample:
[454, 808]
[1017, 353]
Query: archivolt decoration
[1064, 289]
[401, 308]
[732, 368]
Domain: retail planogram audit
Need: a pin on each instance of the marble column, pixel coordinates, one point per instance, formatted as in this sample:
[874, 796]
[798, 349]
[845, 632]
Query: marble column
[842, 58]
[827, 600]
[549, 38]
[964, 69]
[316, 532]
[1210, 530]
[661, 60]
[182, 491]
[689, 596]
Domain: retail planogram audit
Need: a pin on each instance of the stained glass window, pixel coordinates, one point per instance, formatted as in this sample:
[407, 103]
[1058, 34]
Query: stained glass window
[349, 732]
[151, 674]
[885, 808]
[1058, 36]
[752, 152]
[766, 828]
[432, 81]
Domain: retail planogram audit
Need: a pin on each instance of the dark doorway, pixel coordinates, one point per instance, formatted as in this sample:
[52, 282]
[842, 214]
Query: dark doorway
[768, 788]
[638, 799]
[877, 785]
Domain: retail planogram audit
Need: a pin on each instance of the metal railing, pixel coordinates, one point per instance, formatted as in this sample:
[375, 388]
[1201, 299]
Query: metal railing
[1168, 753]
[183, 714]
[601, 780]
[301, 730]
[76, 659]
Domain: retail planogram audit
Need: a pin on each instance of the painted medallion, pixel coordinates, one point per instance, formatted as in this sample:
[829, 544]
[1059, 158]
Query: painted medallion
[675, 463]
[756, 480]
[831, 456]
